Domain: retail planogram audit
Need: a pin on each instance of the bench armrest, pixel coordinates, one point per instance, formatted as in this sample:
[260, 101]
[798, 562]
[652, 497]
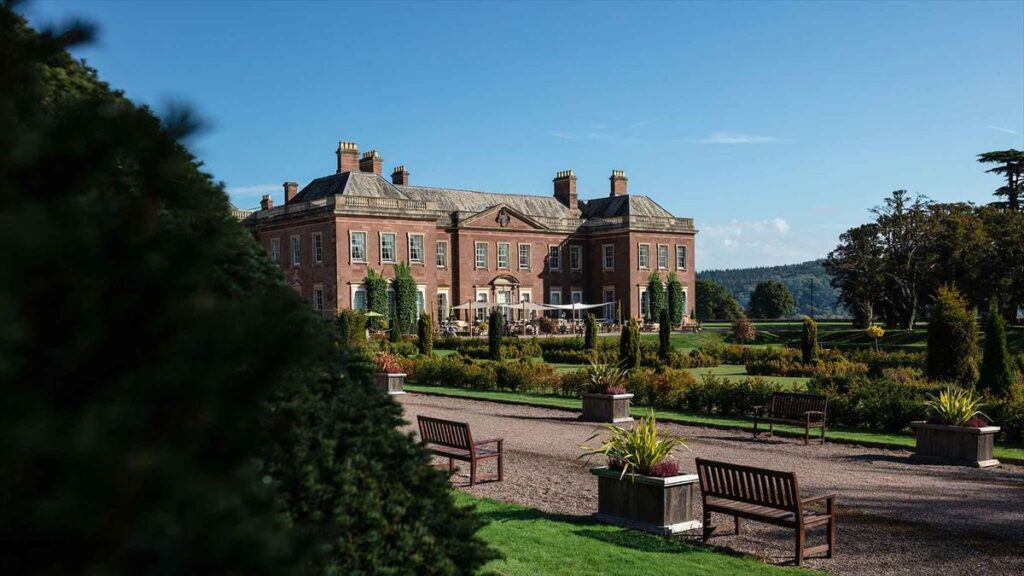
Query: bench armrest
[818, 413]
[831, 497]
[488, 441]
[759, 409]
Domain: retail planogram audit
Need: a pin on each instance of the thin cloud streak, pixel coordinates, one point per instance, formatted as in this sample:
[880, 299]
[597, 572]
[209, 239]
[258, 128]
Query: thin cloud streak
[1006, 130]
[250, 195]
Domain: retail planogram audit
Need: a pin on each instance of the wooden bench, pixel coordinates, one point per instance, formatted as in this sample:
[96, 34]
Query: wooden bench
[766, 496]
[807, 410]
[454, 441]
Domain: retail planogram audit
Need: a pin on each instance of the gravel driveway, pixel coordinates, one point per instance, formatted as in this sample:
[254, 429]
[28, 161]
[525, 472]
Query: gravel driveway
[895, 517]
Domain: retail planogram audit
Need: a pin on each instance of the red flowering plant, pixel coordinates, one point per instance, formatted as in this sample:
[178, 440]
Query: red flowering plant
[388, 363]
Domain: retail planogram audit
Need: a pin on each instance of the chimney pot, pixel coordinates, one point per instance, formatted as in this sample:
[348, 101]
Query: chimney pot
[290, 190]
[565, 189]
[618, 183]
[266, 203]
[348, 157]
[371, 162]
[400, 176]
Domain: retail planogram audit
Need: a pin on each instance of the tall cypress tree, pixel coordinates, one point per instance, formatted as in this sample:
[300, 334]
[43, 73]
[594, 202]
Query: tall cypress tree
[655, 297]
[425, 334]
[376, 286]
[664, 335]
[590, 336]
[996, 369]
[952, 354]
[406, 293]
[495, 334]
[809, 346]
[676, 299]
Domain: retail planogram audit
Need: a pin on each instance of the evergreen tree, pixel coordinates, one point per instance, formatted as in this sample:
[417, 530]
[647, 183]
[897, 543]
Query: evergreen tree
[655, 297]
[771, 299]
[664, 335]
[590, 336]
[809, 340]
[676, 299]
[137, 435]
[1011, 165]
[629, 345]
[425, 333]
[495, 334]
[996, 366]
[343, 327]
[406, 294]
[394, 333]
[952, 354]
[376, 286]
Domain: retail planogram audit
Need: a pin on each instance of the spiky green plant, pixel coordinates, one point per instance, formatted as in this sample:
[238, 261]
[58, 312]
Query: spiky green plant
[604, 377]
[638, 449]
[956, 406]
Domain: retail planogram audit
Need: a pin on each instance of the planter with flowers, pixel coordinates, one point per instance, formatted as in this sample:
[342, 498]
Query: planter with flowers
[641, 486]
[957, 431]
[390, 374]
[605, 398]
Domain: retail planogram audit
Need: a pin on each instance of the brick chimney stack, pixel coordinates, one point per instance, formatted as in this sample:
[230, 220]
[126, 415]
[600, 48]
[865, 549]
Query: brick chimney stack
[290, 190]
[348, 157]
[371, 162]
[618, 180]
[400, 176]
[565, 189]
[266, 203]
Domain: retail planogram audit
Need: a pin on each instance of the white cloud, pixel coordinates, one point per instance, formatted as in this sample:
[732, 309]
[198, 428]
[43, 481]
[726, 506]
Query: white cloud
[768, 242]
[734, 138]
[249, 196]
[1006, 130]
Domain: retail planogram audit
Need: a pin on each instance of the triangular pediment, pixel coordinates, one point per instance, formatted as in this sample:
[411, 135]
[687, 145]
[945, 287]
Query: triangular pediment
[502, 216]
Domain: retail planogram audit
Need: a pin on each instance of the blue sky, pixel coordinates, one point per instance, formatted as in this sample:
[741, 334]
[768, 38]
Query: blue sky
[775, 125]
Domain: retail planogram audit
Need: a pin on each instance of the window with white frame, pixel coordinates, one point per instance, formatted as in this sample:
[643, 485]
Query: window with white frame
[503, 249]
[357, 246]
[555, 296]
[442, 305]
[480, 249]
[358, 298]
[575, 257]
[554, 258]
[680, 257]
[416, 248]
[645, 256]
[296, 250]
[662, 256]
[576, 295]
[275, 250]
[608, 256]
[421, 300]
[318, 297]
[525, 256]
[644, 302]
[388, 253]
[481, 313]
[318, 248]
[609, 302]
[442, 254]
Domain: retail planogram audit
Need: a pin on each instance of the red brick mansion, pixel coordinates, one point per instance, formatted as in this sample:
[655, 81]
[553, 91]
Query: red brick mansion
[466, 245]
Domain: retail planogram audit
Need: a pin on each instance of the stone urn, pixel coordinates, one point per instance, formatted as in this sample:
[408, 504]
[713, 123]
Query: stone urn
[610, 408]
[391, 383]
[649, 503]
[961, 445]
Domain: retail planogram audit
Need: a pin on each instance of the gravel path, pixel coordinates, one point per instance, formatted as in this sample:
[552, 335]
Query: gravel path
[895, 517]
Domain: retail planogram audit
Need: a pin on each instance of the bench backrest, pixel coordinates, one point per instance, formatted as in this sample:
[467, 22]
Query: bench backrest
[758, 486]
[445, 432]
[793, 405]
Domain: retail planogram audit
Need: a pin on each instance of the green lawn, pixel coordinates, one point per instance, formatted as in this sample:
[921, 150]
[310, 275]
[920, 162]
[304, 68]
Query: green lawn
[739, 371]
[534, 542]
[843, 435]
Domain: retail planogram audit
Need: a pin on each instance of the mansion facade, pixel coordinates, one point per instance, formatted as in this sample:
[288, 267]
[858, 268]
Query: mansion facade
[471, 246]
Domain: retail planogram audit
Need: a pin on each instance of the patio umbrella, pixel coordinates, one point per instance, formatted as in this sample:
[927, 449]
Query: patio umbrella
[372, 314]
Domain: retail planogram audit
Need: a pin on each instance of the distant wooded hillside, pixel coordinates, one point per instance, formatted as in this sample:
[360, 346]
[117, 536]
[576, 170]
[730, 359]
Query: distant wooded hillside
[808, 281]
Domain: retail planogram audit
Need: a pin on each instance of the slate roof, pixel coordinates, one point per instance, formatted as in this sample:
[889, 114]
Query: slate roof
[450, 200]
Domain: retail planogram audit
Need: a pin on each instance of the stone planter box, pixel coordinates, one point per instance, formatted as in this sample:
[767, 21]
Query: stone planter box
[660, 505]
[613, 408]
[391, 383]
[961, 445]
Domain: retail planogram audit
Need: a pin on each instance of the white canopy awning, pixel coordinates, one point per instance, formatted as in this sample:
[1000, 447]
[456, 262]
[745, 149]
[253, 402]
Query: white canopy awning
[574, 306]
[474, 306]
[531, 306]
